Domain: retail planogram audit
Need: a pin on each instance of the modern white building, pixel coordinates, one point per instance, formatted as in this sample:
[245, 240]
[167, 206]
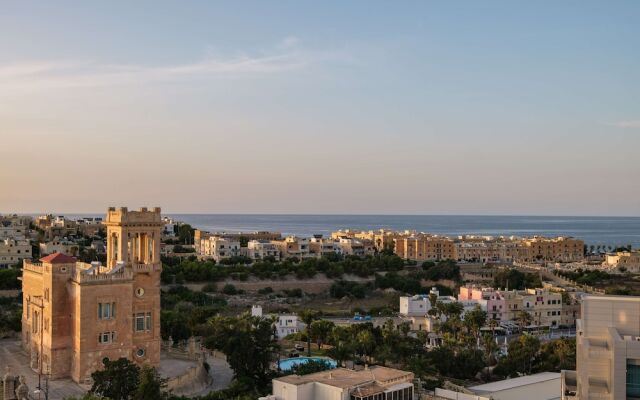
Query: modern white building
[542, 386]
[285, 324]
[373, 383]
[608, 350]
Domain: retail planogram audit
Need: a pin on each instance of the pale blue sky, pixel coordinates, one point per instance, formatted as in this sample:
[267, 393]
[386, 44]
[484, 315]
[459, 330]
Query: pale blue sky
[469, 107]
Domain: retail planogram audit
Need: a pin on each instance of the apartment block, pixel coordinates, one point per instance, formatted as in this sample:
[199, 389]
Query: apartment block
[13, 251]
[425, 248]
[219, 248]
[293, 246]
[259, 249]
[14, 227]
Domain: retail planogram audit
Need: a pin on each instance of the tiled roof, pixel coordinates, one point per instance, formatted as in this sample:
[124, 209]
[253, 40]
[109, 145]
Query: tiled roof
[58, 258]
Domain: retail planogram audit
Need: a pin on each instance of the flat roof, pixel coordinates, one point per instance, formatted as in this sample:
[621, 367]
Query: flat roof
[515, 382]
[344, 378]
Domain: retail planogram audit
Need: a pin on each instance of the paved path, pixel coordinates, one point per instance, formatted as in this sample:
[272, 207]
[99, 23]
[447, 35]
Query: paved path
[11, 355]
[221, 373]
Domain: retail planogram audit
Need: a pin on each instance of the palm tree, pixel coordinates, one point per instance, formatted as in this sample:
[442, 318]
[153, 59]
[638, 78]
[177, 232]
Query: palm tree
[308, 316]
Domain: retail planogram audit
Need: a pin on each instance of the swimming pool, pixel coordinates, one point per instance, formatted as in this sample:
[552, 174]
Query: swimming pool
[288, 363]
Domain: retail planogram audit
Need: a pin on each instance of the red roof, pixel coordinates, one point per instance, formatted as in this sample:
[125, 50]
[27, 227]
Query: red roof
[58, 258]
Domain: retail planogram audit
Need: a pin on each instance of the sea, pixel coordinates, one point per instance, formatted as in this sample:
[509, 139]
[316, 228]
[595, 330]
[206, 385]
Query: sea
[607, 231]
[604, 231]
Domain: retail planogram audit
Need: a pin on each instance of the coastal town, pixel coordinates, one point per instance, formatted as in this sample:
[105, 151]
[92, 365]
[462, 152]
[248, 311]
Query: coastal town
[368, 314]
[320, 200]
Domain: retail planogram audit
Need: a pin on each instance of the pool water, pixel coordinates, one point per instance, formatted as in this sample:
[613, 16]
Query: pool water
[288, 363]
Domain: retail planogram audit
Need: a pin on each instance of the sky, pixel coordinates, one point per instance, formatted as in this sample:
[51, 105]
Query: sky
[365, 107]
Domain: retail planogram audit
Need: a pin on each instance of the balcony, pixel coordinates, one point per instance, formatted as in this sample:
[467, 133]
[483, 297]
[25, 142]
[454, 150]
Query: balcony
[145, 268]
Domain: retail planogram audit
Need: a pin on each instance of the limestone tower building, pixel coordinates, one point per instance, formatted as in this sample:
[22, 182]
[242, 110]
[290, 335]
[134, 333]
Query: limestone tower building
[76, 314]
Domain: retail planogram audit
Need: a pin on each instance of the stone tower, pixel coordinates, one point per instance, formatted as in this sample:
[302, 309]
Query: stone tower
[75, 314]
[133, 237]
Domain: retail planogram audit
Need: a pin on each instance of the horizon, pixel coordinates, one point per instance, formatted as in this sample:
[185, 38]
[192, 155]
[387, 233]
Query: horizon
[169, 213]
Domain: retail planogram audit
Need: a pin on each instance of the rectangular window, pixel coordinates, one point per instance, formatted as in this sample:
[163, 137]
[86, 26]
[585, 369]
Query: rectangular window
[106, 310]
[139, 322]
[106, 337]
[633, 378]
[148, 322]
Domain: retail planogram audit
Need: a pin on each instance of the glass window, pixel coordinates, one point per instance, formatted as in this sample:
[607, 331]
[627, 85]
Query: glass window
[147, 322]
[139, 322]
[633, 378]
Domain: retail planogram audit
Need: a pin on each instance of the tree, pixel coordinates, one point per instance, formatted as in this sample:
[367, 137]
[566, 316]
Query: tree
[524, 319]
[310, 367]
[248, 342]
[520, 357]
[150, 386]
[308, 316]
[474, 320]
[118, 380]
[320, 330]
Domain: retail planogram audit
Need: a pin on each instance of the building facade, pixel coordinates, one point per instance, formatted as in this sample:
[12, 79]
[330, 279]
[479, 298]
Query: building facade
[219, 248]
[373, 383]
[12, 252]
[76, 314]
[425, 248]
[608, 350]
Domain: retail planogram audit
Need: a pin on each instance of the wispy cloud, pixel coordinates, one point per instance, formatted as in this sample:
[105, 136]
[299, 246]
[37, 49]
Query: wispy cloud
[286, 56]
[625, 124]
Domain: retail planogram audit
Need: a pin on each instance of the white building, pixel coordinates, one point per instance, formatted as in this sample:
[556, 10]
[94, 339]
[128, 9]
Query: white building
[14, 227]
[169, 227]
[219, 248]
[12, 252]
[259, 249]
[285, 324]
[608, 350]
[59, 246]
[542, 386]
[373, 383]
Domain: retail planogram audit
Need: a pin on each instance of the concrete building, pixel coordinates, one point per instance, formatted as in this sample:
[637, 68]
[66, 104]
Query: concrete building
[57, 245]
[608, 350]
[320, 247]
[13, 251]
[285, 324]
[219, 248]
[373, 383]
[356, 247]
[76, 314]
[541, 386]
[199, 235]
[544, 306]
[425, 248]
[14, 227]
[623, 261]
[293, 246]
[560, 249]
[259, 249]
